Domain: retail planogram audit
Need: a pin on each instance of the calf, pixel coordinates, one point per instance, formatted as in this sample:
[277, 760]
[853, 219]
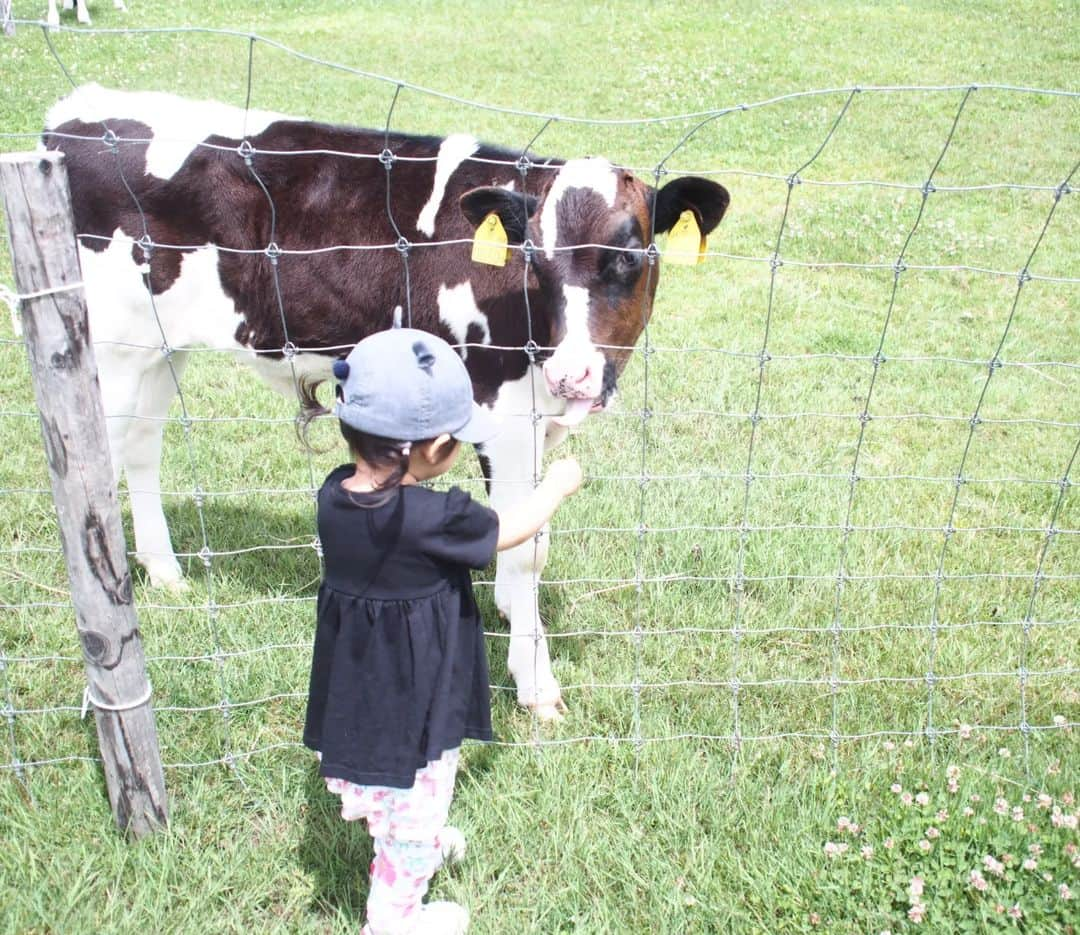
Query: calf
[82, 13]
[201, 224]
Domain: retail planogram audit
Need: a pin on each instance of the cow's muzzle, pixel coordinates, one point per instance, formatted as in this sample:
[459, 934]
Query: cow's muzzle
[571, 375]
[577, 378]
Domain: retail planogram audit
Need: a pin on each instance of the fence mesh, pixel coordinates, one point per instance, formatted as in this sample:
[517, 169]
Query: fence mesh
[834, 504]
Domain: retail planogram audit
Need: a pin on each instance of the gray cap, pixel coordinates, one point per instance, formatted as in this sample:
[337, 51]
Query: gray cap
[409, 385]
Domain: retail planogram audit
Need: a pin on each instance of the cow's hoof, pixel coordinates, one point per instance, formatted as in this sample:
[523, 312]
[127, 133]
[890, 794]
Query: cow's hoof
[173, 585]
[552, 712]
[168, 577]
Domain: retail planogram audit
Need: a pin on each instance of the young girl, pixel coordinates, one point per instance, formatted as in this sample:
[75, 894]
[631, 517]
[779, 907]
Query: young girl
[399, 674]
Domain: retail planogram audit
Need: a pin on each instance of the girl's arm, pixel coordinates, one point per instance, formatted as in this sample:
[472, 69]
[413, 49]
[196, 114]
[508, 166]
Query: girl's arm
[523, 520]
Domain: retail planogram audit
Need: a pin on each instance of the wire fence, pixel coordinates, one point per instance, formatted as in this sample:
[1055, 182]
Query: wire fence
[756, 565]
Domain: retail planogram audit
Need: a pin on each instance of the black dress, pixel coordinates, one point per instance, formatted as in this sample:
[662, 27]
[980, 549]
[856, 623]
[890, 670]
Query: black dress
[399, 672]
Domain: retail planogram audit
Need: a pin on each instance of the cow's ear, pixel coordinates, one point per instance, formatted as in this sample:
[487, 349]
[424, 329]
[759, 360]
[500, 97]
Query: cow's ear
[513, 209]
[705, 198]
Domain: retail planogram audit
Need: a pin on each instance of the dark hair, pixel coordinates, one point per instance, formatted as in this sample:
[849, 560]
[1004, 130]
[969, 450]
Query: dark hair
[374, 450]
[379, 453]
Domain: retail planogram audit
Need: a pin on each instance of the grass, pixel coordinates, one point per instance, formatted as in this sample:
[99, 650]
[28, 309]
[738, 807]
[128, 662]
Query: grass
[594, 834]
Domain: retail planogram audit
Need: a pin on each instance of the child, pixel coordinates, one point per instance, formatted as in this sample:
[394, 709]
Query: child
[399, 674]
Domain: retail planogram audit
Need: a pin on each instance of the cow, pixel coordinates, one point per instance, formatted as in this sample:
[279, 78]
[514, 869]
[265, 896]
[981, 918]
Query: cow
[287, 241]
[82, 13]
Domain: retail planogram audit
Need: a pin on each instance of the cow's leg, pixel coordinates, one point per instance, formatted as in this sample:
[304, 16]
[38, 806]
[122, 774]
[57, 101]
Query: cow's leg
[137, 387]
[119, 4]
[82, 14]
[142, 465]
[514, 458]
[53, 16]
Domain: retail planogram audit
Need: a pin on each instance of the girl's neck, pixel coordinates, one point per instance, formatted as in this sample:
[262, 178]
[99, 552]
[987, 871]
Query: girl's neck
[369, 480]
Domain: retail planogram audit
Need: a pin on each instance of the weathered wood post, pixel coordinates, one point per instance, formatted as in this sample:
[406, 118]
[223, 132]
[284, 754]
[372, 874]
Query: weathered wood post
[47, 275]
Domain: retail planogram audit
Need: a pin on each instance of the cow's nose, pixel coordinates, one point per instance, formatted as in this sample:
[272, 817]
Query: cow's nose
[568, 380]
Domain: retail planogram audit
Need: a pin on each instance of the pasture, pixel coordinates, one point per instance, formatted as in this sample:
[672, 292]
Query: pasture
[721, 577]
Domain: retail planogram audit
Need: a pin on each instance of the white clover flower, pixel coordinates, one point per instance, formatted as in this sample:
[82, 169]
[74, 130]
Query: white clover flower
[834, 849]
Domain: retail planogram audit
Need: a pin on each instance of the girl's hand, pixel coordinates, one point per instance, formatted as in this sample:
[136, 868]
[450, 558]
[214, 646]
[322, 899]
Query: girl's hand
[565, 476]
[524, 519]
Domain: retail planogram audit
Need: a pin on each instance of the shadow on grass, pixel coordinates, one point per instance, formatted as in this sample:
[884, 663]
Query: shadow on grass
[336, 853]
[261, 549]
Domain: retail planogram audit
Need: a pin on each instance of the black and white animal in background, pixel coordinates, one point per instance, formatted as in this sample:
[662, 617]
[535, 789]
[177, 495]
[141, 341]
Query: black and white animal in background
[82, 13]
[590, 285]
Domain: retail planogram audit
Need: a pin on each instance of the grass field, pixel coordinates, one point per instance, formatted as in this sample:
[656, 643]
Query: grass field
[640, 815]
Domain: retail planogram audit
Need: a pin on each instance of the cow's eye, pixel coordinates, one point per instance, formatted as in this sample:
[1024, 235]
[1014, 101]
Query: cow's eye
[628, 260]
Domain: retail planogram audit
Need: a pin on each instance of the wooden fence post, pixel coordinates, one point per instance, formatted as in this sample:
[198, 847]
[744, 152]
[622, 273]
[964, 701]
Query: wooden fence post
[47, 275]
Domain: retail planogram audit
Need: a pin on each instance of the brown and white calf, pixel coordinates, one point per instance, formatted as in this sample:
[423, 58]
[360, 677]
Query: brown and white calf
[208, 188]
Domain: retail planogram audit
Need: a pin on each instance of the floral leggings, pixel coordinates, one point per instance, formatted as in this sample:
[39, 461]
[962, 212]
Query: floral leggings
[405, 824]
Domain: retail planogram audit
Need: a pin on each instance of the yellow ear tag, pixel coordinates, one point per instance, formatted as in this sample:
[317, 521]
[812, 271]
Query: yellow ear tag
[489, 244]
[685, 243]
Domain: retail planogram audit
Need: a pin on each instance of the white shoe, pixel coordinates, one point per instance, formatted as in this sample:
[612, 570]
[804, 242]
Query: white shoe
[451, 844]
[442, 918]
[435, 918]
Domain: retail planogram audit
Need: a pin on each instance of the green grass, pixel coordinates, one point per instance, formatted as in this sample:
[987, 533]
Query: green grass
[594, 834]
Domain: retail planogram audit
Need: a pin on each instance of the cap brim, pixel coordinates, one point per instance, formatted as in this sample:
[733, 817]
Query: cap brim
[481, 427]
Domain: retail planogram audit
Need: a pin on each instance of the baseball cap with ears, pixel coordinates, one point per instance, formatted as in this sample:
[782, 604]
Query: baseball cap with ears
[409, 385]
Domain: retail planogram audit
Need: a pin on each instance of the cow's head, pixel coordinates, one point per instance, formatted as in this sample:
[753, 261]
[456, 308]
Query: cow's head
[592, 225]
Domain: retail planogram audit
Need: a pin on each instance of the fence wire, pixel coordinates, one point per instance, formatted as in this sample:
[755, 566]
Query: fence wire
[748, 656]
